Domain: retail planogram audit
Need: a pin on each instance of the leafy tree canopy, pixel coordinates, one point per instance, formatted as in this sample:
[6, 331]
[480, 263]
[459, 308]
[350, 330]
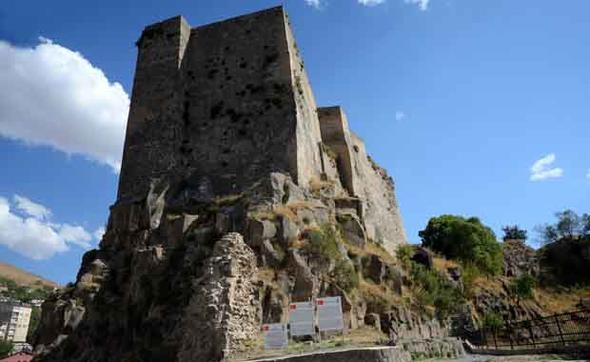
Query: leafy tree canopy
[569, 225]
[513, 232]
[466, 240]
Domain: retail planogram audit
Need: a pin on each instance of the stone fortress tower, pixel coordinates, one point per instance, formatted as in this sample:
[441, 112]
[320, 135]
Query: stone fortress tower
[222, 105]
[231, 174]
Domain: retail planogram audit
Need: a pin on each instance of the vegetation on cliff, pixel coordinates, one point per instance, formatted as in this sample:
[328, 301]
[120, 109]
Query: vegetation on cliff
[465, 239]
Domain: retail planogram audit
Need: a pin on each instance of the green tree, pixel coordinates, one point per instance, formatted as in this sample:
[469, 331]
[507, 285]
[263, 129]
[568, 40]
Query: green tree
[33, 323]
[466, 240]
[522, 288]
[569, 225]
[513, 232]
[5, 348]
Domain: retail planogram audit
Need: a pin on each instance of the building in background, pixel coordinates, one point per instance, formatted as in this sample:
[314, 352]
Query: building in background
[14, 320]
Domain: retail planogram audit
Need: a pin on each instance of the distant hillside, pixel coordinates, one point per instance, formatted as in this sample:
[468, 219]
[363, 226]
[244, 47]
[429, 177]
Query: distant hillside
[24, 278]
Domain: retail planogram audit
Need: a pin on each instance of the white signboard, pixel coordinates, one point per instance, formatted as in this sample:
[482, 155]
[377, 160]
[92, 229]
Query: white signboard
[301, 319]
[330, 314]
[275, 336]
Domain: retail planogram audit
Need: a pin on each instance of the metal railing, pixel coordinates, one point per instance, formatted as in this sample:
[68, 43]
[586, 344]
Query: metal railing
[558, 330]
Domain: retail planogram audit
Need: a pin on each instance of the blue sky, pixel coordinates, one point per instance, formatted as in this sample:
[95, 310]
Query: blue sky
[476, 107]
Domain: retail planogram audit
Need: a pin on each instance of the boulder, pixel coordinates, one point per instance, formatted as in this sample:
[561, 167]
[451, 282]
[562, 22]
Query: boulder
[423, 257]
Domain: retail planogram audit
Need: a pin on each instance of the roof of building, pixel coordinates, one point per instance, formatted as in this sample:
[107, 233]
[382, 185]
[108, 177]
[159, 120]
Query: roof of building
[18, 357]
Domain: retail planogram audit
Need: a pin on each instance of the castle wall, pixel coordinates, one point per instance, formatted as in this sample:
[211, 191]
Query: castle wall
[376, 188]
[363, 179]
[219, 109]
[336, 135]
[152, 125]
[308, 135]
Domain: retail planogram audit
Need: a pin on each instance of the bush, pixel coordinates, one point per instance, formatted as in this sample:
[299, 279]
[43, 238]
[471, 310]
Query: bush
[566, 262]
[5, 348]
[522, 288]
[431, 288]
[467, 240]
[469, 274]
[513, 232]
[405, 254]
[492, 320]
[345, 276]
[323, 247]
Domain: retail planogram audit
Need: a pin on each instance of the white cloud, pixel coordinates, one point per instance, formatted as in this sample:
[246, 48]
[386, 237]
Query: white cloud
[400, 116]
[98, 233]
[588, 173]
[370, 2]
[31, 208]
[314, 3]
[422, 4]
[75, 235]
[33, 235]
[543, 169]
[52, 96]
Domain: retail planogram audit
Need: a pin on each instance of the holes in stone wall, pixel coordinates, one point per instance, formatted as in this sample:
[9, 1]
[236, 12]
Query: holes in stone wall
[216, 110]
[186, 113]
[270, 59]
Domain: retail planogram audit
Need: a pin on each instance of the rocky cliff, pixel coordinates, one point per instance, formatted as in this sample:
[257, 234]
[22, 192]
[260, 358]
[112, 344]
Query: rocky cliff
[235, 199]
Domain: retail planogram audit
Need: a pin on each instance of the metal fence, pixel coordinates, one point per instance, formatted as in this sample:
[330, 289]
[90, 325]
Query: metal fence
[559, 330]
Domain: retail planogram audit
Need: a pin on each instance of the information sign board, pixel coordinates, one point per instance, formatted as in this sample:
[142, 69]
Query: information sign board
[275, 336]
[329, 314]
[301, 317]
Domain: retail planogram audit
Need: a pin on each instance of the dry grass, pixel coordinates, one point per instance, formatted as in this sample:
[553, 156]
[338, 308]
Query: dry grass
[380, 291]
[557, 301]
[443, 264]
[228, 199]
[263, 215]
[267, 275]
[316, 184]
[22, 277]
[285, 212]
[376, 249]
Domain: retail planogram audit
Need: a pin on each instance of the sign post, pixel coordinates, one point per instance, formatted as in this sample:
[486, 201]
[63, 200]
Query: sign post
[275, 336]
[301, 319]
[330, 314]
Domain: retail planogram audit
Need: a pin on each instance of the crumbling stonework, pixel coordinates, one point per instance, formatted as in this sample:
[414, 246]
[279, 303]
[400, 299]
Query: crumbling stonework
[222, 105]
[229, 175]
[222, 314]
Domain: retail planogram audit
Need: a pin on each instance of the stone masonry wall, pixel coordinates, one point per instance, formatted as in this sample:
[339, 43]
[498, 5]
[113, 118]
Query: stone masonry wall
[228, 115]
[364, 179]
[380, 209]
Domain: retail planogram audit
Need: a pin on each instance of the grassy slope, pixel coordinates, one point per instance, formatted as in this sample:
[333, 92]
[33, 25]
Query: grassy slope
[22, 277]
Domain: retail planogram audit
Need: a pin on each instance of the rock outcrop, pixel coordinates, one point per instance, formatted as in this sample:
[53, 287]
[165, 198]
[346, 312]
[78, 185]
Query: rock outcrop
[235, 199]
[519, 259]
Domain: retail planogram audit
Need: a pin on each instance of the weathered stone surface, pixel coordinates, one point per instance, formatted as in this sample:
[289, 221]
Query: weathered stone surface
[224, 137]
[306, 283]
[222, 314]
[438, 348]
[423, 257]
[260, 230]
[373, 320]
[289, 231]
[352, 229]
[519, 259]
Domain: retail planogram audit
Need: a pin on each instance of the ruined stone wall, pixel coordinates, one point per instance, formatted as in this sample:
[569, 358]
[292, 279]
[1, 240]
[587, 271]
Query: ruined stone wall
[220, 109]
[336, 136]
[375, 187]
[308, 133]
[364, 179]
